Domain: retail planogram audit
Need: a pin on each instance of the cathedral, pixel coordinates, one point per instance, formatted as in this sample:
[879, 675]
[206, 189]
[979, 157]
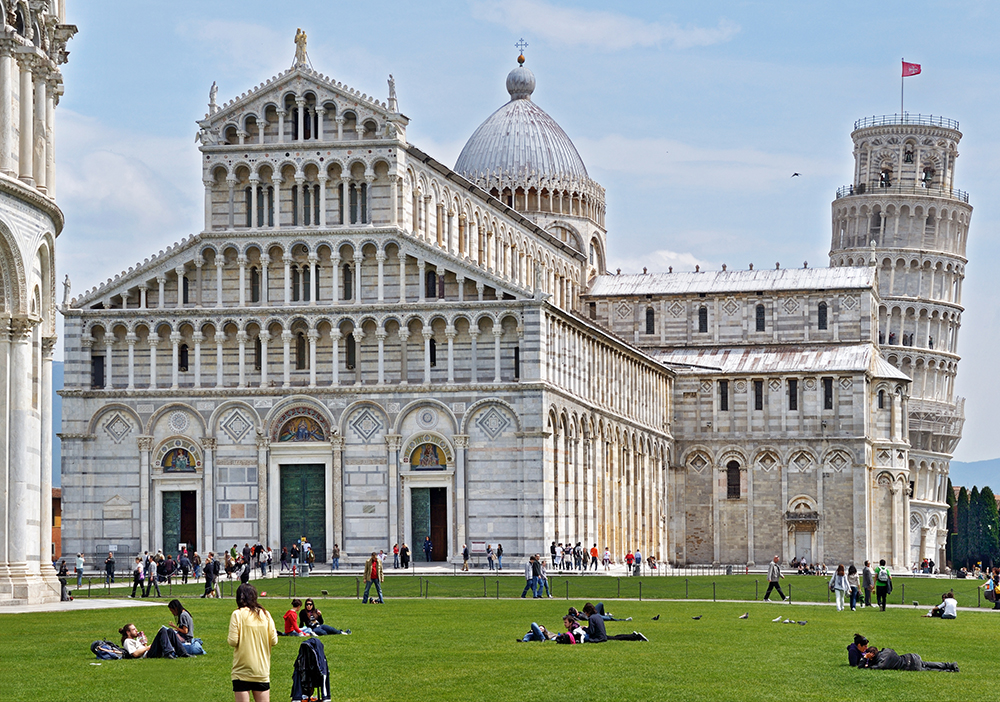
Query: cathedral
[365, 346]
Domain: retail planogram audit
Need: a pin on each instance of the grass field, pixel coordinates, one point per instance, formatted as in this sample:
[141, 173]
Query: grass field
[453, 648]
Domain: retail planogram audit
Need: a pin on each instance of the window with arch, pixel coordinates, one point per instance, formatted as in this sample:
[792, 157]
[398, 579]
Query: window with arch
[433, 353]
[761, 324]
[306, 204]
[306, 285]
[881, 399]
[431, 284]
[793, 394]
[296, 284]
[258, 353]
[182, 358]
[316, 282]
[351, 352]
[295, 205]
[593, 254]
[650, 321]
[184, 289]
[517, 363]
[348, 282]
[828, 393]
[733, 480]
[248, 192]
[723, 395]
[702, 319]
[758, 395]
[876, 223]
[301, 352]
[821, 315]
[97, 371]
[254, 284]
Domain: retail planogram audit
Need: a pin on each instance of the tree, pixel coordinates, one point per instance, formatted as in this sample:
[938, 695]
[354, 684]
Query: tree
[952, 522]
[990, 526]
[975, 527]
[961, 554]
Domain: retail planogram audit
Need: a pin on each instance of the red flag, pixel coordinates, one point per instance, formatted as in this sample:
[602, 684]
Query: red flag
[910, 69]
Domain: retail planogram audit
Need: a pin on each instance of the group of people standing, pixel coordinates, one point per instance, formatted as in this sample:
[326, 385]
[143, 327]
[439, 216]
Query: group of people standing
[845, 583]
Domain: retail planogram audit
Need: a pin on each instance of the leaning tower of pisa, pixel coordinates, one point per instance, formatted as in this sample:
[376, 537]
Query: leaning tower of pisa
[903, 210]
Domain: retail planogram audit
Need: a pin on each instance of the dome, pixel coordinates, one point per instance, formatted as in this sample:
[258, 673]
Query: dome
[520, 139]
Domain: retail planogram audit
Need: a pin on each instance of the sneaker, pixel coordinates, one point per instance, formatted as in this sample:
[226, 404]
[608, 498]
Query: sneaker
[628, 619]
[347, 631]
[641, 637]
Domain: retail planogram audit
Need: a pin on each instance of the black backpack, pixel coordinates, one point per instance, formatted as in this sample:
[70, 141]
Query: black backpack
[108, 651]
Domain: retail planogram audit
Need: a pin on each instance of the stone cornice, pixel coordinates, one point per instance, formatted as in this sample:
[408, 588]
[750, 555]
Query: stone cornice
[17, 189]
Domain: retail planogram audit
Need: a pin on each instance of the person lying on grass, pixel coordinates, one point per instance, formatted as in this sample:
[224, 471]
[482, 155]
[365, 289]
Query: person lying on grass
[538, 633]
[888, 659]
[596, 633]
[167, 644]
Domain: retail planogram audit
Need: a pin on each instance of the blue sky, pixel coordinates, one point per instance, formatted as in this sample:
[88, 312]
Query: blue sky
[692, 117]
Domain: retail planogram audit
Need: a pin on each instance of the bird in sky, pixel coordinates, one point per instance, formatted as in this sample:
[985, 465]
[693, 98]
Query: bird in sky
[795, 174]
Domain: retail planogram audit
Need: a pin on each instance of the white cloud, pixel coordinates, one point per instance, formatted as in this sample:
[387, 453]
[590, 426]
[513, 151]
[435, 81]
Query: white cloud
[125, 195]
[659, 261]
[676, 164]
[598, 29]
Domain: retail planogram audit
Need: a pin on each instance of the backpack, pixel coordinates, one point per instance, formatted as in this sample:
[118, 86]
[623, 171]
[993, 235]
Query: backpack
[883, 575]
[107, 651]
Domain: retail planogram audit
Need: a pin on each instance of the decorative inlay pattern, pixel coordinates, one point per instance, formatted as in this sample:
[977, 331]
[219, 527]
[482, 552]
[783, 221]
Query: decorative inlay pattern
[791, 305]
[493, 422]
[117, 427]
[178, 422]
[624, 310]
[731, 307]
[427, 418]
[236, 426]
[676, 309]
[366, 424]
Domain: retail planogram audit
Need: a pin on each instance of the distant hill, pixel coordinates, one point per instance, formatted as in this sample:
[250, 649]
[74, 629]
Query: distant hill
[978, 473]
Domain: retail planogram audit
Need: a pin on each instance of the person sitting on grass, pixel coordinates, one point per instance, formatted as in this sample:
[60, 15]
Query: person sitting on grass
[167, 644]
[599, 608]
[596, 633]
[311, 619]
[948, 609]
[292, 621]
[857, 650]
[574, 630]
[185, 628]
[888, 659]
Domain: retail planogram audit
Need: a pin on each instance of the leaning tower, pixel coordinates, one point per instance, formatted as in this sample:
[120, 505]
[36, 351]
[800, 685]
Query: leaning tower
[903, 211]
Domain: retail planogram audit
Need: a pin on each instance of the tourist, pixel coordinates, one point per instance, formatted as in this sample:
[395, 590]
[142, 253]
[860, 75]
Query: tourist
[109, 569]
[596, 633]
[310, 559]
[167, 643]
[291, 618]
[373, 574]
[169, 567]
[247, 552]
[335, 557]
[252, 636]
[428, 548]
[852, 582]
[948, 609]
[773, 575]
[465, 557]
[312, 619]
[79, 570]
[575, 631]
[839, 586]
[883, 583]
[210, 575]
[584, 560]
[594, 556]
[184, 627]
[538, 633]
[577, 556]
[489, 555]
[62, 575]
[137, 575]
[543, 580]
[152, 580]
[868, 582]
[294, 555]
[888, 659]
[990, 587]
[262, 562]
[856, 650]
[284, 560]
[529, 578]
[599, 608]
[557, 556]
[395, 557]
[404, 556]
[270, 561]
[607, 559]
[629, 560]
[499, 556]
[185, 565]
[196, 565]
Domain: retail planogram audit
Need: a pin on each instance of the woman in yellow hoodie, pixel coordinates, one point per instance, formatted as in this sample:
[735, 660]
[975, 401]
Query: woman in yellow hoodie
[252, 636]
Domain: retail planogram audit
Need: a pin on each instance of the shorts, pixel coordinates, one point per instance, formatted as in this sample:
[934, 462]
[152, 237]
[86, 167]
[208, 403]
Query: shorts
[244, 686]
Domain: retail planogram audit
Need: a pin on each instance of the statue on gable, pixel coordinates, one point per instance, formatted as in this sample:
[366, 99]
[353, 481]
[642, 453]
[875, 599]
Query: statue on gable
[392, 94]
[66, 289]
[213, 92]
[300, 47]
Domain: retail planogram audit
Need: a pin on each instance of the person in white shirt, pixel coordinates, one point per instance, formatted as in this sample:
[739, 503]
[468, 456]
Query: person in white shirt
[948, 609]
[79, 570]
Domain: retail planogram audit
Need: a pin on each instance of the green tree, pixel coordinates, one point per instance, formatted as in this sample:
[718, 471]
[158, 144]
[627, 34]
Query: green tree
[991, 527]
[952, 522]
[975, 527]
[962, 529]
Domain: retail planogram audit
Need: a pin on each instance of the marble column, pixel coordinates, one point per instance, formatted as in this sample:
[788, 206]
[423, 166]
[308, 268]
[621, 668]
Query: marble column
[380, 335]
[322, 194]
[287, 260]
[313, 288]
[286, 339]
[262, 490]
[220, 263]
[45, 478]
[153, 342]
[404, 370]
[497, 333]
[380, 257]
[461, 511]
[220, 339]
[5, 527]
[450, 332]
[241, 260]
[131, 340]
[6, 112]
[109, 341]
[359, 258]
[175, 340]
[401, 256]
[198, 338]
[337, 443]
[428, 335]
[22, 489]
[264, 338]
[209, 445]
[39, 136]
[24, 160]
[393, 200]
[241, 341]
[145, 447]
[313, 336]
[393, 442]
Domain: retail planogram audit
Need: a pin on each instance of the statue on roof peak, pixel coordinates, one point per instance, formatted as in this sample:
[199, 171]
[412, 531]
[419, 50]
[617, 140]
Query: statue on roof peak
[300, 47]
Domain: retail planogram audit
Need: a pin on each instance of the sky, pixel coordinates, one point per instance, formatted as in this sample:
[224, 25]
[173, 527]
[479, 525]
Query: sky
[693, 116]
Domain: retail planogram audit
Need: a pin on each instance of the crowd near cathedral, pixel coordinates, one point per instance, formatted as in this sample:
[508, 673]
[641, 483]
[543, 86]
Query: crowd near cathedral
[366, 346]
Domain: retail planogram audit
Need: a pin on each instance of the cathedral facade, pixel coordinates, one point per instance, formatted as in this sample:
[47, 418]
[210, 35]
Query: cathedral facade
[32, 47]
[365, 347]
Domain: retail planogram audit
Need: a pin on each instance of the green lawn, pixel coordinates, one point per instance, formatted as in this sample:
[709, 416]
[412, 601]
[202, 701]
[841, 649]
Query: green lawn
[420, 649]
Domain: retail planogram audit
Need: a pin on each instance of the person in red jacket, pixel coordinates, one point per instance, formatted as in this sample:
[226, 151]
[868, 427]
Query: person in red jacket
[292, 621]
[629, 560]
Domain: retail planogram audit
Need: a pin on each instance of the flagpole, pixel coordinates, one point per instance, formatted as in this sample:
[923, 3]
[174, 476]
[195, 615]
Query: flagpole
[901, 79]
